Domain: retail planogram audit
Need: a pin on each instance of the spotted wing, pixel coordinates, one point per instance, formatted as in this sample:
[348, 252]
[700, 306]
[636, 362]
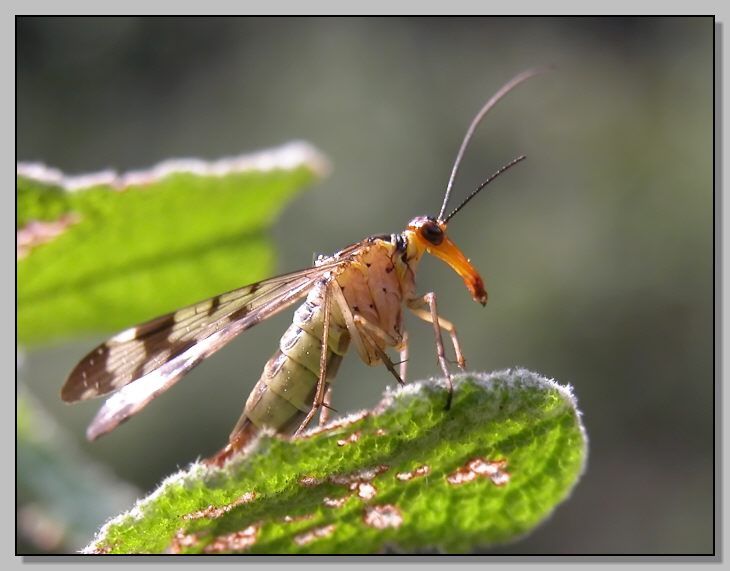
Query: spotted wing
[144, 361]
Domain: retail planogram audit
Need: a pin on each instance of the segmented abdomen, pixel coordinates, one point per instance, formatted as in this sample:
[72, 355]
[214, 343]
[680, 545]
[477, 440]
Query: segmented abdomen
[285, 391]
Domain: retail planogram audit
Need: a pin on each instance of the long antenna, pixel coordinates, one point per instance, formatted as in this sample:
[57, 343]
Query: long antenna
[506, 88]
[509, 165]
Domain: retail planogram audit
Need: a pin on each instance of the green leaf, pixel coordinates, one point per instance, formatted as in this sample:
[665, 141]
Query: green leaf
[409, 476]
[101, 252]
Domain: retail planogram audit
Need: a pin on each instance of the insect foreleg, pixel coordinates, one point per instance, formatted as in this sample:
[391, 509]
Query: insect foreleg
[417, 307]
[432, 316]
[322, 381]
[367, 331]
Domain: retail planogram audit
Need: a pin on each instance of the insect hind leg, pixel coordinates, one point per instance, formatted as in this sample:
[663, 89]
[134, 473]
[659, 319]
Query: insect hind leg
[326, 406]
[363, 334]
[403, 363]
[319, 393]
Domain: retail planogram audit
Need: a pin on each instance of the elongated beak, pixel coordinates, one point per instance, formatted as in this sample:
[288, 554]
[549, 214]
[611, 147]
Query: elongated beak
[452, 255]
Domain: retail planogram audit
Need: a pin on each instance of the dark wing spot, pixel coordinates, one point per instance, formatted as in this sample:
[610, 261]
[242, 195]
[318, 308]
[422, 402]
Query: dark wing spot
[85, 374]
[154, 326]
[151, 348]
[215, 304]
[240, 313]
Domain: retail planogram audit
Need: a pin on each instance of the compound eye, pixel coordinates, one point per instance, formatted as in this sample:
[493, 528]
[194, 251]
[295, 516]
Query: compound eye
[432, 233]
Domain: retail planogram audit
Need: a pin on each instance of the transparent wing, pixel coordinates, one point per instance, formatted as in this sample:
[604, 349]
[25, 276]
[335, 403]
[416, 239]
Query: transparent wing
[138, 351]
[144, 361]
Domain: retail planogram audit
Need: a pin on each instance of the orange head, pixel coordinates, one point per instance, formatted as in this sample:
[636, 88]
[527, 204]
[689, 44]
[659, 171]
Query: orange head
[429, 234]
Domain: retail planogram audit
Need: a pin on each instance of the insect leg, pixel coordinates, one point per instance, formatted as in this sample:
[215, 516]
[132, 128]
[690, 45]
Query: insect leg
[375, 330]
[418, 305]
[360, 333]
[367, 330]
[326, 408]
[322, 381]
[404, 356]
[432, 316]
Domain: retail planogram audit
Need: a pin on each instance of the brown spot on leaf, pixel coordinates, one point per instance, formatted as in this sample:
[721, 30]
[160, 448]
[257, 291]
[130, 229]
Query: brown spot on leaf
[309, 481]
[314, 533]
[493, 470]
[296, 518]
[366, 491]
[100, 549]
[354, 437]
[500, 478]
[37, 232]
[236, 541]
[359, 482]
[335, 502]
[420, 471]
[183, 540]
[461, 476]
[381, 517]
[214, 512]
[365, 475]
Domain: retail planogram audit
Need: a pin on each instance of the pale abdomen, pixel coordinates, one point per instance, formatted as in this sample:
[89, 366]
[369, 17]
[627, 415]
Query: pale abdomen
[284, 394]
[285, 391]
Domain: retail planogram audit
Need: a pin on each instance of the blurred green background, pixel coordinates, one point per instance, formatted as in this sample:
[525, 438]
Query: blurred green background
[597, 251]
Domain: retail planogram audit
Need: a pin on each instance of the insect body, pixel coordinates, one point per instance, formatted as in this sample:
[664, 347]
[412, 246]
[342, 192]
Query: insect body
[354, 297]
[356, 302]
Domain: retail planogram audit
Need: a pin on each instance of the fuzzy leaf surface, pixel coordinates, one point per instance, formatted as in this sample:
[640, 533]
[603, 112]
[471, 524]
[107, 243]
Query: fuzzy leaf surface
[408, 476]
